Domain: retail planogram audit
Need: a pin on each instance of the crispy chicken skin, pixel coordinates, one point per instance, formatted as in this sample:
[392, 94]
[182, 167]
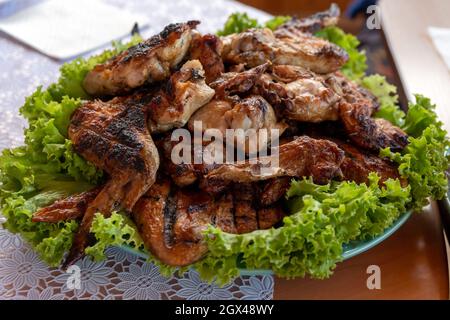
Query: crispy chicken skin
[212, 115]
[255, 46]
[303, 157]
[298, 94]
[171, 220]
[253, 112]
[72, 207]
[356, 109]
[185, 92]
[250, 114]
[148, 61]
[358, 164]
[232, 83]
[155, 215]
[273, 190]
[208, 49]
[312, 23]
[114, 136]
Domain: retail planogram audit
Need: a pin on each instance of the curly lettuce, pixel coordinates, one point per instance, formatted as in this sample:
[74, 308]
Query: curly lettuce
[46, 168]
[310, 240]
[239, 22]
[324, 218]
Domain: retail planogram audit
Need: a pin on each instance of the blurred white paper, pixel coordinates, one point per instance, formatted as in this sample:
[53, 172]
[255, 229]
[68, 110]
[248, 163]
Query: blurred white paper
[64, 29]
[441, 40]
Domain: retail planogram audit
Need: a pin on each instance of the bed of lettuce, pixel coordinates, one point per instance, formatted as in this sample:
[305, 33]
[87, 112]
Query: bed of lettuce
[310, 241]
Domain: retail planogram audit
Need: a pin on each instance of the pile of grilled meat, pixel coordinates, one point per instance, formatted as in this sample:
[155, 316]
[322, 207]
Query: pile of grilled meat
[286, 79]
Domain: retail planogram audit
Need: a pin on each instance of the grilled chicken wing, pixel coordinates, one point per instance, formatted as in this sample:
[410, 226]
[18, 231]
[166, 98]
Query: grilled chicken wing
[299, 94]
[148, 61]
[255, 46]
[114, 136]
[185, 92]
[302, 157]
[72, 207]
[208, 49]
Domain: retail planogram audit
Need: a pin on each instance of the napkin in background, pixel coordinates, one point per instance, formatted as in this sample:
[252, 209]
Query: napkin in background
[441, 40]
[64, 29]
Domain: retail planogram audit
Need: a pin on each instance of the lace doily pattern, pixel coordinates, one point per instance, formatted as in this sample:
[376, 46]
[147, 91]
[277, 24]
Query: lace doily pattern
[122, 275]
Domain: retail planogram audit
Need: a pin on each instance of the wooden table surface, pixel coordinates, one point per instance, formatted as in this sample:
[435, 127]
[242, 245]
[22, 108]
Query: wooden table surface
[413, 262]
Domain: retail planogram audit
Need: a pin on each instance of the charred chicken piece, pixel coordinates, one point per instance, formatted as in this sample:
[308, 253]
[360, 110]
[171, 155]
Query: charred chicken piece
[114, 136]
[356, 109]
[224, 217]
[72, 207]
[232, 83]
[185, 92]
[273, 190]
[208, 49]
[312, 23]
[254, 115]
[245, 214]
[148, 61]
[299, 94]
[171, 221]
[255, 46]
[358, 164]
[155, 216]
[302, 157]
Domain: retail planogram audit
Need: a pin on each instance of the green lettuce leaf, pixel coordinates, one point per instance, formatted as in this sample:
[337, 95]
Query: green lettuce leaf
[311, 239]
[238, 22]
[117, 230]
[386, 94]
[276, 21]
[423, 161]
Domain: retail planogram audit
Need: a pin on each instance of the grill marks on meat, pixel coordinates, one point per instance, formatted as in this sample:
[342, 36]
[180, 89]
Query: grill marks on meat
[356, 109]
[298, 94]
[149, 215]
[290, 69]
[303, 157]
[255, 46]
[184, 93]
[171, 220]
[148, 61]
[113, 135]
[208, 49]
[358, 164]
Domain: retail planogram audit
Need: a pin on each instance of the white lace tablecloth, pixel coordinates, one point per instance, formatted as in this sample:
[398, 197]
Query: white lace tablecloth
[123, 275]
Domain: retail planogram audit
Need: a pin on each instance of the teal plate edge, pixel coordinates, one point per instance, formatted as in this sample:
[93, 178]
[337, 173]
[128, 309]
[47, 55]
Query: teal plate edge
[351, 249]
